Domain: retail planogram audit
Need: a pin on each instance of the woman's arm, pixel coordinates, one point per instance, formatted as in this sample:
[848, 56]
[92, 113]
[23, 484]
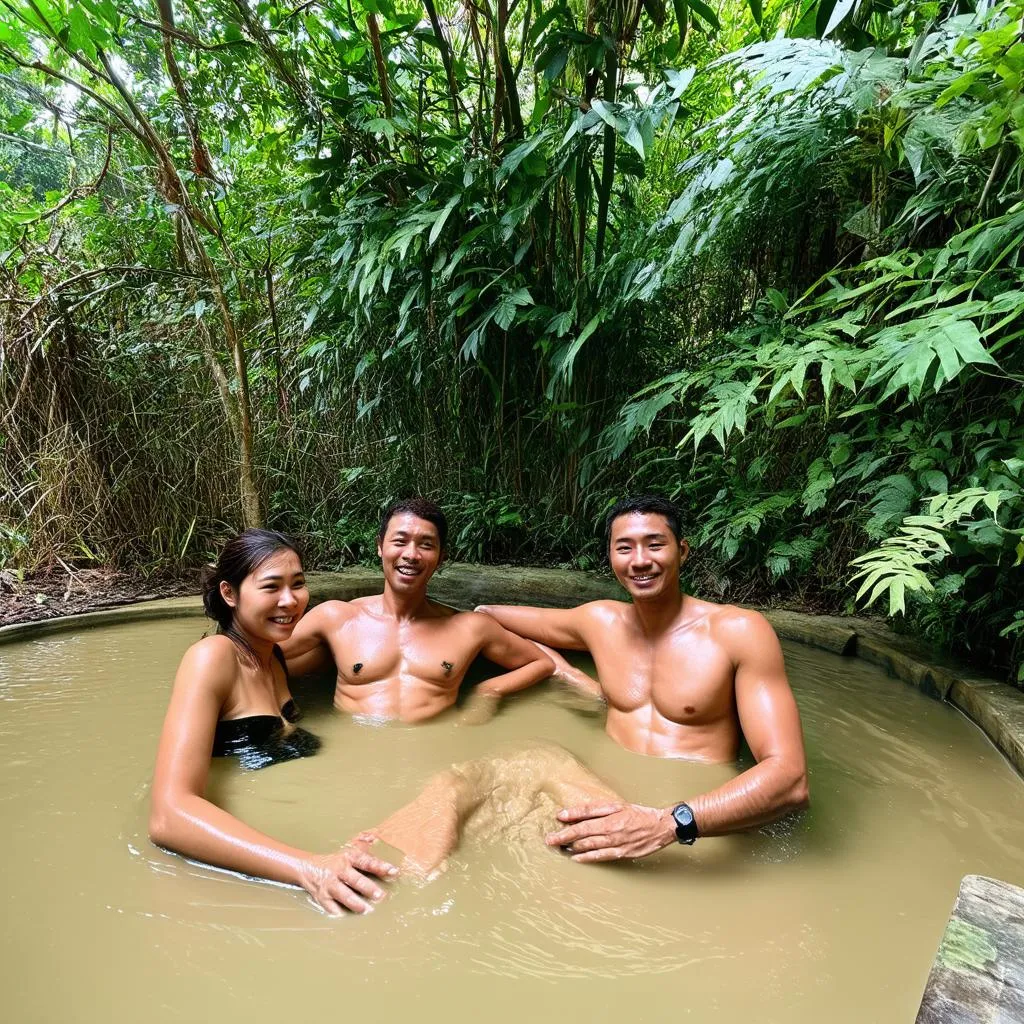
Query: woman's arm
[182, 819]
[578, 680]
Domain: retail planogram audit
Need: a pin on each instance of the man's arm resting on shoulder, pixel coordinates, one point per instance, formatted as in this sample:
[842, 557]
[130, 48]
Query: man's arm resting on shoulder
[307, 649]
[556, 627]
[528, 664]
[549, 628]
[776, 785]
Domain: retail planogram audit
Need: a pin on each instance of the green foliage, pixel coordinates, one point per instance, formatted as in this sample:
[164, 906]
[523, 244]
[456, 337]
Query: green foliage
[296, 261]
[903, 562]
[883, 370]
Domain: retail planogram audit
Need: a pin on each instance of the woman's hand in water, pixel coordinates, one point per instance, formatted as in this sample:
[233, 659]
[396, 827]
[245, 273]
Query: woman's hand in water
[613, 831]
[342, 880]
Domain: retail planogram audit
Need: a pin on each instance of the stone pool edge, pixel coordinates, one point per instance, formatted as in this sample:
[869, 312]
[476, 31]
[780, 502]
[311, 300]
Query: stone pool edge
[995, 707]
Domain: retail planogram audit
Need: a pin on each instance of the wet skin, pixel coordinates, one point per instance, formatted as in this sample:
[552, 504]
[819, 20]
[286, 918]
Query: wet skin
[682, 678]
[399, 655]
[509, 795]
[216, 681]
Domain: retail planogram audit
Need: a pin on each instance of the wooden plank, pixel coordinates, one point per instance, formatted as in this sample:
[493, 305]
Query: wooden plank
[978, 973]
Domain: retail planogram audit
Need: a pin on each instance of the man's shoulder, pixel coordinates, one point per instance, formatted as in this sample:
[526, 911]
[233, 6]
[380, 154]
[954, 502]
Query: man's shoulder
[334, 612]
[469, 629]
[446, 613]
[336, 606]
[733, 624]
[734, 614]
[473, 621]
[606, 612]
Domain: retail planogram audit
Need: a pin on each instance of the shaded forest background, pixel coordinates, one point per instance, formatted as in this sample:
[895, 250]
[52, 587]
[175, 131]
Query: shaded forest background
[278, 263]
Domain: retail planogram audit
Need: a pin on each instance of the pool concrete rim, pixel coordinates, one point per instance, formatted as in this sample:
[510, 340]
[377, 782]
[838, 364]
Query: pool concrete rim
[994, 706]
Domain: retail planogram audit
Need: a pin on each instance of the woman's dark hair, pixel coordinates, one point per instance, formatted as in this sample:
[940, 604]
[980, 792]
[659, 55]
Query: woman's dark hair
[422, 508]
[644, 503]
[241, 556]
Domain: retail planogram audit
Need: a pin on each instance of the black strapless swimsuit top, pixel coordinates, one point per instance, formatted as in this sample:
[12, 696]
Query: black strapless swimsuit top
[260, 740]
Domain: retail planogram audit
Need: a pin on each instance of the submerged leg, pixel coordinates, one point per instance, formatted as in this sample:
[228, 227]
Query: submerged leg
[427, 829]
[574, 783]
[513, 795]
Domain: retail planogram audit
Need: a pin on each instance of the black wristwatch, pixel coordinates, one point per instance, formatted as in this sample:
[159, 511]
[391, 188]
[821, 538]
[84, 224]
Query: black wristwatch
[686, 826]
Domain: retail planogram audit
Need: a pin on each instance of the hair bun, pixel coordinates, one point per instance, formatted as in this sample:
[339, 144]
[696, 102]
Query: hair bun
[214, 604]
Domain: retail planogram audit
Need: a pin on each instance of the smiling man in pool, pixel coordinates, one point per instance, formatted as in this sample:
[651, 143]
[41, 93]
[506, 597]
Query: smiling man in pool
[682, 678]
[400, 655]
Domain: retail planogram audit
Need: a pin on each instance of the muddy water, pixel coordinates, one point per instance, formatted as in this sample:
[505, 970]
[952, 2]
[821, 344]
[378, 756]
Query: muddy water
[833, 918]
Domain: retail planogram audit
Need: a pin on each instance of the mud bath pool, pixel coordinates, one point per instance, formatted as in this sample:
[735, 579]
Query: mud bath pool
[833, 917]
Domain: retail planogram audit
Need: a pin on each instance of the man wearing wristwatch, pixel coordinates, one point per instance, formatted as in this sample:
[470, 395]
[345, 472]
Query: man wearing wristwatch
[682, 678]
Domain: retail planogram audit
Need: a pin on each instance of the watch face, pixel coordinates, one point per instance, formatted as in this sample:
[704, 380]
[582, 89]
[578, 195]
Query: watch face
[683, 815]
[686, 825]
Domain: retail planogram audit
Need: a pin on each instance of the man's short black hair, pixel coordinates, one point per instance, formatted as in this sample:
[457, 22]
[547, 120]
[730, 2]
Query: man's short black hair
[422, 508]
[644, 503]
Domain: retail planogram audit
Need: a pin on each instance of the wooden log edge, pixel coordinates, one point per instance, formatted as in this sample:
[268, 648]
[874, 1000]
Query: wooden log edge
[978, 972]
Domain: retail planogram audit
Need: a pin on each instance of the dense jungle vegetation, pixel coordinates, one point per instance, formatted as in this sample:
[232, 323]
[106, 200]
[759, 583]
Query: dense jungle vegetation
[279, 262]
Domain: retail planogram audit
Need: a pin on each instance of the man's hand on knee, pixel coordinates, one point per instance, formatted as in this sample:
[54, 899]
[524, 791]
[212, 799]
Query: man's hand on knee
[598, 832]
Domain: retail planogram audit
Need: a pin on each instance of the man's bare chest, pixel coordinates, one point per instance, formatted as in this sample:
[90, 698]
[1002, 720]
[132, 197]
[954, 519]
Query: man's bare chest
[687, 677]
[371, 650]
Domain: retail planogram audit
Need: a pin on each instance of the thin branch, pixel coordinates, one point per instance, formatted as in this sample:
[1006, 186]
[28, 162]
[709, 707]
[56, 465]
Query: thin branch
[99, 272]
[201, 162]
[146, 134]
[303, 8]
[64, 313]
[192, 40]
[513, 111]
[171, 184]
[75, 55]
[36, 95]
[378, 58]
[990, 181]
[446, 60]
[81, 191]
[523, 45]
[282, 66]
[38, 65]
[35, 146]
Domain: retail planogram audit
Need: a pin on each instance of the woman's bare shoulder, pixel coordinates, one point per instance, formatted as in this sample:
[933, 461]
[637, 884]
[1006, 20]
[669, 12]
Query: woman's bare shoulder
[210, 662]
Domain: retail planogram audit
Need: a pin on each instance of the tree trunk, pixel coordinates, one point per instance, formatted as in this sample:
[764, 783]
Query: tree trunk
[611, 79]
[378, 59]
[446, 60]
[512, 109]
